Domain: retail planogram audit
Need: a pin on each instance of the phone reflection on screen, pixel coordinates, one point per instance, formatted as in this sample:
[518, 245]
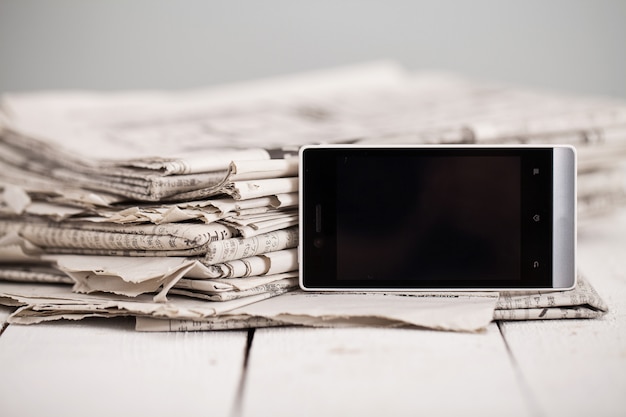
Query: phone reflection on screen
[428, 217]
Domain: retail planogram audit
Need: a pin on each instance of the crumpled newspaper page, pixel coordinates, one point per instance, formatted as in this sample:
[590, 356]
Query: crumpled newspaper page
[463, 311]
[449, 311]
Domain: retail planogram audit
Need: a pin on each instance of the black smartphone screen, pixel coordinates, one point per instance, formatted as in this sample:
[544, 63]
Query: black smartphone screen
[427, 217]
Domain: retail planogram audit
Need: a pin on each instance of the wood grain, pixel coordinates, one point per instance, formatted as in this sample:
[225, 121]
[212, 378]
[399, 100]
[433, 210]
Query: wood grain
[578, 367]
[4, 313]
[104, 368]
[375, 372]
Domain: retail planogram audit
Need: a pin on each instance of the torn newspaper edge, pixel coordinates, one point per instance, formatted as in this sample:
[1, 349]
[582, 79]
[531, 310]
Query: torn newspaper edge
[460, 312]
[444, 311]
[81, 205]
[581, 302]
[46, 302]
[133, 276]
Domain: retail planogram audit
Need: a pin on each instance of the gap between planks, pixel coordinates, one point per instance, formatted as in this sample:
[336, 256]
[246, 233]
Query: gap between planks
[532, 402]
[237, 407]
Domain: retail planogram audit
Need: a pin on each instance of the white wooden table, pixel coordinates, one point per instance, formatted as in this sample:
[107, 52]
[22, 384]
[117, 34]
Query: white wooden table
[101, 367]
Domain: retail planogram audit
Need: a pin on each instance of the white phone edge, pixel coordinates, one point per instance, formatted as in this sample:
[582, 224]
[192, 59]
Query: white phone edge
[564, 224]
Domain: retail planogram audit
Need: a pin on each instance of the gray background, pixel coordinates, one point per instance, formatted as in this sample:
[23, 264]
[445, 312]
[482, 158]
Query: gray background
[573, 46]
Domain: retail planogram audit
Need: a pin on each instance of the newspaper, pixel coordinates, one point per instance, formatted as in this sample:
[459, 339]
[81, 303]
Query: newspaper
[202, 132]
[444, 311]
[581, 302]
[238, 248]
[213, 240]
[358, 310]
[173, 239]
[27, 188]
[204, 183]
[274, 285]
[22, 200]
[33, 274]
[154, 146]
[132, 276]
[46, 302]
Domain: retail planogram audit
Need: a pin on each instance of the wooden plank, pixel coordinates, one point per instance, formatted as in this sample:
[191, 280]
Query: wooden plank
[380, 372]
[4, 313]
[104, 367]
[578, 367]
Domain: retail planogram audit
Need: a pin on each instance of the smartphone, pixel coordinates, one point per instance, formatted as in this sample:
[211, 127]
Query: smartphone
[437, 217]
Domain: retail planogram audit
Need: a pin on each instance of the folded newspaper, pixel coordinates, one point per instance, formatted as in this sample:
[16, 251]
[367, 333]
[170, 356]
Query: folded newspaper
[146, 200]
[467, 311]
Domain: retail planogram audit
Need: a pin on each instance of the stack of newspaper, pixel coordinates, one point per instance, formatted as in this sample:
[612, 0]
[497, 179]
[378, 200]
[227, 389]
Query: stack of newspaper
[129, 230]
[183, 205]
